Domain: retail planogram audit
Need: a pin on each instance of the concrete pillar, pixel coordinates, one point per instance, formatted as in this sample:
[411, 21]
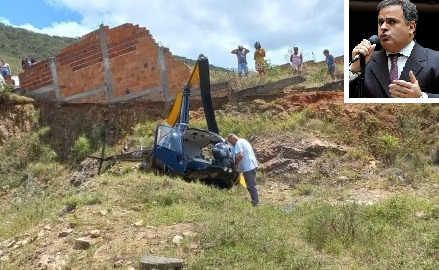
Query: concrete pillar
[106, 63]
[164, 75]
[53, 70]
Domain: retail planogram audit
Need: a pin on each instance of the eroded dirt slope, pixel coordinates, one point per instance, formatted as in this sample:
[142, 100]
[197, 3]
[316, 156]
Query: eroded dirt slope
[16, 118]
[283, 159]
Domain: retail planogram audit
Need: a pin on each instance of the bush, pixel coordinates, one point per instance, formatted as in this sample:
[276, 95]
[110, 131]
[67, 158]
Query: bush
[385, 146]
[82, 146]
[332, 227]
[23, 159]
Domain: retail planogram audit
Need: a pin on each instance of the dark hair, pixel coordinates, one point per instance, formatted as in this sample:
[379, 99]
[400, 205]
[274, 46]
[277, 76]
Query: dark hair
[408, 8]
[325, 51]
[257, 45]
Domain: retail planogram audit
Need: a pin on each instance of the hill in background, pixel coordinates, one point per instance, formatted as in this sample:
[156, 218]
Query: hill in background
[18, 43]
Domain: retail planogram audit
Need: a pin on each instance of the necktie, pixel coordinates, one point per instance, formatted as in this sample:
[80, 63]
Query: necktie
[394, 66]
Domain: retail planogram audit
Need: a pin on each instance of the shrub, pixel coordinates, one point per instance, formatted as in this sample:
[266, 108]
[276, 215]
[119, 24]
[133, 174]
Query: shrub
[82, 146]
[385, 146]
[22, 159]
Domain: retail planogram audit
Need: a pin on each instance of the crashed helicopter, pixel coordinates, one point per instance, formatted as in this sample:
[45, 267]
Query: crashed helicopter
[193, 154]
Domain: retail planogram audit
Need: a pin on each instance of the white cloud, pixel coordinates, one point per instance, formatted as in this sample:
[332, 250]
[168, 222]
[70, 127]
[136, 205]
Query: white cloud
[5, 21]
[215, 27]
[70, 29]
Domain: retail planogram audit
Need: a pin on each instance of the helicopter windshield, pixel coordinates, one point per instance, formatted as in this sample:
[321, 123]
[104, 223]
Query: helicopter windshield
[170, 138]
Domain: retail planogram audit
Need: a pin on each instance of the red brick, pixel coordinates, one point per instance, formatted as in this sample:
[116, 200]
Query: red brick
[133, 63]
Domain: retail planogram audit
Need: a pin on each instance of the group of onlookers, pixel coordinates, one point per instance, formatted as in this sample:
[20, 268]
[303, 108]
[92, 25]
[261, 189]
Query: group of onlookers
[27, 63]
[296, 60]
[259, 58]
[6, 73]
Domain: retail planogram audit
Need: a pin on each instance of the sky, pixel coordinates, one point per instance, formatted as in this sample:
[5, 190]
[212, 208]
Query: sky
[191, 27]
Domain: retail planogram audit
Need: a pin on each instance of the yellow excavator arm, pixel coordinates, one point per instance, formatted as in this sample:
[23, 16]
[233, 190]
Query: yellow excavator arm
[175, 112]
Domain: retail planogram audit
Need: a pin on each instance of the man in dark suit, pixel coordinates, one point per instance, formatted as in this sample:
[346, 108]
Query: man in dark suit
[403, 68]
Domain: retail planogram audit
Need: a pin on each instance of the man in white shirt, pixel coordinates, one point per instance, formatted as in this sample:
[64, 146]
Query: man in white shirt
[246, 162]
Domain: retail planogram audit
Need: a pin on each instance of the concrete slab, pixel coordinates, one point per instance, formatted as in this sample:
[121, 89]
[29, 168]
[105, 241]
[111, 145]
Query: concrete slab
[157, 262]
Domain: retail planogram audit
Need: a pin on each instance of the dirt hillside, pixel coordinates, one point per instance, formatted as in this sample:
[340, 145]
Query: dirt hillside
[283, 159]
[278, 154]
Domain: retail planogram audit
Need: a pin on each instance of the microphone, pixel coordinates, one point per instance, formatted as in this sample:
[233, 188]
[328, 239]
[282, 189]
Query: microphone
[374, 40]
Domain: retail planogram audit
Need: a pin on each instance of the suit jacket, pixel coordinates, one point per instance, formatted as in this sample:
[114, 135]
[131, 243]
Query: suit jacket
[423, 61]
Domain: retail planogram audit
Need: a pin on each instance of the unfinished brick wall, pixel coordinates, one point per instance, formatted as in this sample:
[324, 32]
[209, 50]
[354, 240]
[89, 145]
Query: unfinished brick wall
[80, 67]
[133, 59]
[108, 66]
[36, 77]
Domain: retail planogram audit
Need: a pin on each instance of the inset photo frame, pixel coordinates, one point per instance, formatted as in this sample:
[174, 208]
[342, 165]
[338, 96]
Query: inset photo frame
[391, 55]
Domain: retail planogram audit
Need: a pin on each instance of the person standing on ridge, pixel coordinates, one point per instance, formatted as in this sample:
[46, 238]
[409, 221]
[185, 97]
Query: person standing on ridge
[259, 59]
[296, 60]
[330, 61]
[6, 70]
[241, 53]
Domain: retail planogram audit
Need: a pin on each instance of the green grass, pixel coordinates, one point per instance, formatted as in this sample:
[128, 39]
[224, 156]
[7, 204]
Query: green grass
[312, 226]
[228, 233]
[26, 214]
[28, 159]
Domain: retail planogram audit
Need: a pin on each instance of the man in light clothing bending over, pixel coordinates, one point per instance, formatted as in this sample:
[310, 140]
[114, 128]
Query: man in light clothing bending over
[246, 162]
